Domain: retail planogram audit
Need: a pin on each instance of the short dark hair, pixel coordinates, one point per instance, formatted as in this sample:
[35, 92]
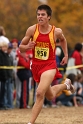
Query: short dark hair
[78, 47]
[72, 77]
[45, 7]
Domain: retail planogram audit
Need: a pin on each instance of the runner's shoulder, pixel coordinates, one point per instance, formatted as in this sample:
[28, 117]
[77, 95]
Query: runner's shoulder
[32, 28]
[58, 30]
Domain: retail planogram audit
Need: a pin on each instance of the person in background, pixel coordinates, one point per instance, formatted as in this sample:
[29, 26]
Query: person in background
[82, 58]
[76, 54]
[78, 95]
[6, 101]
[9, 83]
[65, 97]
[24, 75]
[34, 86]
[5, 75]
[17, 83]
[75, 59]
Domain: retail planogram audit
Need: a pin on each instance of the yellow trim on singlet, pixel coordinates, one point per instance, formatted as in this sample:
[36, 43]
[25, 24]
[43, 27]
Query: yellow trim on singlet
[36, 33]
[51, 37]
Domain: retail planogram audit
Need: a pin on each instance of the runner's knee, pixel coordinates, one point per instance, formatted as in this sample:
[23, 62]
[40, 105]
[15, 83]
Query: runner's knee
[39, 94]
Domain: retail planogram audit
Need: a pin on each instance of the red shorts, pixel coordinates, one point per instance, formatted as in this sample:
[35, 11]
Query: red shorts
[39, 67]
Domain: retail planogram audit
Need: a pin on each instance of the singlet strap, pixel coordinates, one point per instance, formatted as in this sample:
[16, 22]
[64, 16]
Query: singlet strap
[51, 37]
[36, 33]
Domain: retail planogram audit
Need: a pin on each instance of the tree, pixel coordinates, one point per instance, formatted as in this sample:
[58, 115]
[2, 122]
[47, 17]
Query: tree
[68, 15]
[17, 16]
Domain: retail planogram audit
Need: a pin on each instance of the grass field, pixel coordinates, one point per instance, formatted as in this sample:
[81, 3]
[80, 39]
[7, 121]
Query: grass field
[61, 115]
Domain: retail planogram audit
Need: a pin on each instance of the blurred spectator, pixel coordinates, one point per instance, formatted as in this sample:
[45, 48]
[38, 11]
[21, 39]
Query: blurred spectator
[6, 100]
[17, 83]
[24, 76]
[34, 86]
[9, 84]
[77, 54]
[82, 58]
[75, 59]
[78, 96]
[13, 52]
[65, 97]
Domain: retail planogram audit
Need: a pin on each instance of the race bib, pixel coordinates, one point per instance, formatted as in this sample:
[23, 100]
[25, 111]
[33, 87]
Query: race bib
[41, 53]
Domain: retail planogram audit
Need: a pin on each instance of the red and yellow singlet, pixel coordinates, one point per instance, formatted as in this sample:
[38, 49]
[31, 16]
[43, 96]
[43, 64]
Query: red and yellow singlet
[45, 45]
[43, 53]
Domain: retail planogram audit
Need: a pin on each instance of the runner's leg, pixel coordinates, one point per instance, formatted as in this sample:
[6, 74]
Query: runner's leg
[45, 81]
[54, 90]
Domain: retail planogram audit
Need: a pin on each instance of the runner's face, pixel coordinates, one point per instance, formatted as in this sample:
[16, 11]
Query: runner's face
[42, 17]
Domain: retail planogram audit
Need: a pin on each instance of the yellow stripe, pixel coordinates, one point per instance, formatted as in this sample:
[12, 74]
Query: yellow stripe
[36, 33]
[11, 67]
[71, 67]
[21, 67]
[51, 37]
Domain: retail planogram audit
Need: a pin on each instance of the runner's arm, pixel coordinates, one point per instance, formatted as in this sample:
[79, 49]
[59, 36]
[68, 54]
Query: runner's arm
[59, 35]
[26, 42]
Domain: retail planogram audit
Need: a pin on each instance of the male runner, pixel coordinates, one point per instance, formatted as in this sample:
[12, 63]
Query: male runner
[44, 69]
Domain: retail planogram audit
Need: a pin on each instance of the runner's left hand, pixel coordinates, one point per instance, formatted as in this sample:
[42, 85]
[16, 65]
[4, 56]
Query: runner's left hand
[64, 60]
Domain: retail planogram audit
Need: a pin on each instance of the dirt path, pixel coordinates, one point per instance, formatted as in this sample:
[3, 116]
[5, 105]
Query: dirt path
[62, 115]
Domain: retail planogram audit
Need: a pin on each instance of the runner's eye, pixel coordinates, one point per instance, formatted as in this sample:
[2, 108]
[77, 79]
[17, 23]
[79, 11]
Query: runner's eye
[38, 14]
[43, 14]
